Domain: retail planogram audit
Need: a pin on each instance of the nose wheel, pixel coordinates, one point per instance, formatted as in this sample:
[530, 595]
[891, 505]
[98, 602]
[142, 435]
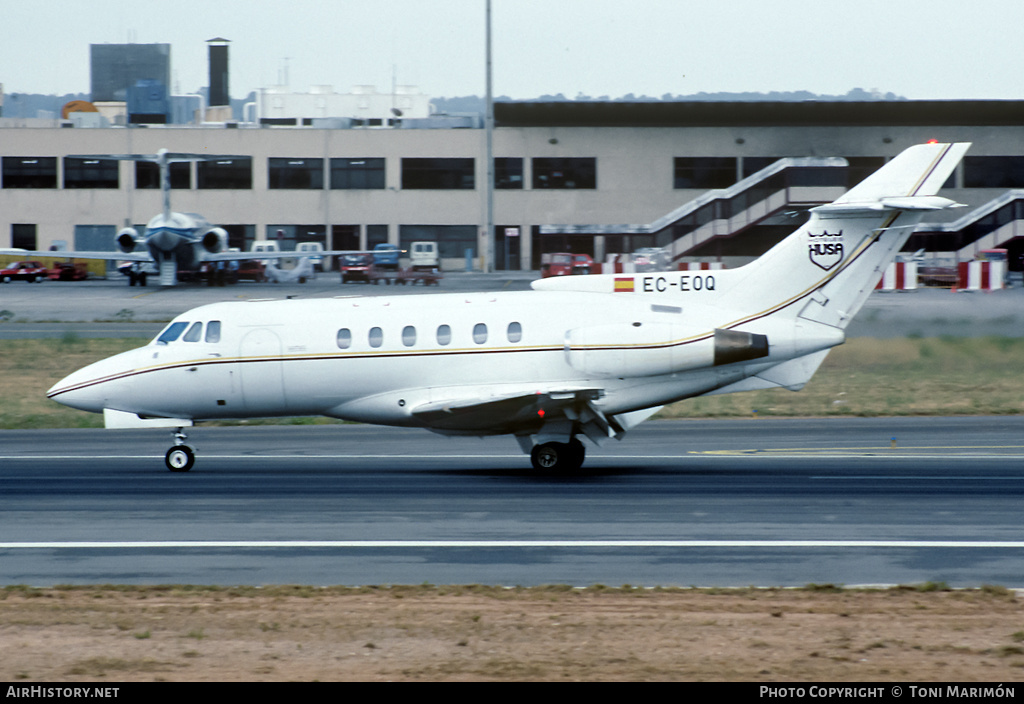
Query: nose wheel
[181, 457]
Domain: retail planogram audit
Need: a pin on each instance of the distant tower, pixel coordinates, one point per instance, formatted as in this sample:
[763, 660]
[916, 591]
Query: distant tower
[219, 94]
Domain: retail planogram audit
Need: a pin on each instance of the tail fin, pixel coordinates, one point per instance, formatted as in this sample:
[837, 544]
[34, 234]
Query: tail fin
[825, 271]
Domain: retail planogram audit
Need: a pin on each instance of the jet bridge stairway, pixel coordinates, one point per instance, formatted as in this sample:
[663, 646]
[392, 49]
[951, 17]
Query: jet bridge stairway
[989, 226]
[794, 185]
[788, 184]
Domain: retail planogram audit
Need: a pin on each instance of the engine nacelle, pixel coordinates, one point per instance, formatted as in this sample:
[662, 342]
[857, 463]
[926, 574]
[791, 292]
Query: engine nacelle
[215, 240]
[126, 239]
[653, 349]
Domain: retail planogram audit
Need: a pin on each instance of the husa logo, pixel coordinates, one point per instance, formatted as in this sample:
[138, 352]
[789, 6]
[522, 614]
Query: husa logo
[825, 249]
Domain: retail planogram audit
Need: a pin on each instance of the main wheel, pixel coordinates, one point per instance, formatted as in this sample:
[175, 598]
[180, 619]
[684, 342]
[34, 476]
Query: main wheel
[558, 456]
[180, 458]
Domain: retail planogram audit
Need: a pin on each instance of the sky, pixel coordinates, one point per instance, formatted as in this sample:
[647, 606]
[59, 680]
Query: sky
[919, 49]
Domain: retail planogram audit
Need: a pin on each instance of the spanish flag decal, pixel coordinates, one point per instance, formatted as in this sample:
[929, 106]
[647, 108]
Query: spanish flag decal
[624, 284]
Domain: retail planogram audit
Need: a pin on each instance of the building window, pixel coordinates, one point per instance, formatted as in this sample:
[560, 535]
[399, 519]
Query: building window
[23, 236]
[444, 335]
[438, 174]
[90, 173]
[296, 174]
[227, 174]
[344, 338]
[357, 174]
[147, 175]
[452, 240]
[565, 173]
[994, 172]
[408, 336]
[479, 333]
[515, 332]
[29, 172]
[508, 173]
[375, 235]
[704, 172]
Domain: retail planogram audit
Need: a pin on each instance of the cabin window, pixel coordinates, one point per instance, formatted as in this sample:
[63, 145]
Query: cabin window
[376, 337]
[479, 333]
[172, 333]
[515, 332]
[194, 334]
[408, 336]
[444, 335]
[213, 331]
[344, 338]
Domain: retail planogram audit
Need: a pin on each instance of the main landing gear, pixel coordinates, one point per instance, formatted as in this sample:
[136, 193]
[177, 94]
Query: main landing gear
[181, 457]
[558, 457]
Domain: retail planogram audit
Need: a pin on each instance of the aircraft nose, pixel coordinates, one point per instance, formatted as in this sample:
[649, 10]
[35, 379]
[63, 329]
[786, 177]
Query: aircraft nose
[81, 390]
[87, 389]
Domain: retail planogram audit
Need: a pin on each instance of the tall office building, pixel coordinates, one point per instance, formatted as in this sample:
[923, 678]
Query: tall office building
[116, 68]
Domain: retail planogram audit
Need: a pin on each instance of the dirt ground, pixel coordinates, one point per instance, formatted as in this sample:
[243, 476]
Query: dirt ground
[904, 634]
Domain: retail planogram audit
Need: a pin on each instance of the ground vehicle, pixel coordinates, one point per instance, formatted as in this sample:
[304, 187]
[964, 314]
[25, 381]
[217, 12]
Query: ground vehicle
[66, 271]
[313, 248]
[386, 255]
[650, 259]
[26, 271]
[566, 264]
[250, 270]
[424, 255]
[356, 267]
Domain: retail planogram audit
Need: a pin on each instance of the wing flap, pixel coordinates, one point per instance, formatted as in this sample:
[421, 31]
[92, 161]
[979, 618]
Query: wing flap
[505, 413]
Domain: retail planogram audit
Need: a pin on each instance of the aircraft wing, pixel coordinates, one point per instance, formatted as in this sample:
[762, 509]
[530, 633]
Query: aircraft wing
[240, 256]
[514, 412]
[70, 254]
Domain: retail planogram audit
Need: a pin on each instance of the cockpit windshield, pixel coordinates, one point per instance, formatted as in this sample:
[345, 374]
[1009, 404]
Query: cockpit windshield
[172, 332]
[195, 332]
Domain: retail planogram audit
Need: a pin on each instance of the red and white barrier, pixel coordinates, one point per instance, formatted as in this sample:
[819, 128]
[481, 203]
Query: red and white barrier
[700, 266]
[980, 276]
[899, 276]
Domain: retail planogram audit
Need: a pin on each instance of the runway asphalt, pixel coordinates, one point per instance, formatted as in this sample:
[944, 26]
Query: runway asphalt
[707, 503]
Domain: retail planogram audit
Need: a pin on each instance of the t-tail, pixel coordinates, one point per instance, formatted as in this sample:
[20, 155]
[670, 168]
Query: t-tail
[825, 271]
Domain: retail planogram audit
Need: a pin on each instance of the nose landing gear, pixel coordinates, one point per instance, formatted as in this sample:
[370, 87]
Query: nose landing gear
[181, 457]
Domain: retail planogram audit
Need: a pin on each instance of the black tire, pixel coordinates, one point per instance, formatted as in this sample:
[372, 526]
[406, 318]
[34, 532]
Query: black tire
[180, 458]
[558, 457]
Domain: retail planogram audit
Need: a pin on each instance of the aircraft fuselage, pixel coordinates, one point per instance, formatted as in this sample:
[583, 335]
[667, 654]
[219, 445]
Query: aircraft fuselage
[379, 359]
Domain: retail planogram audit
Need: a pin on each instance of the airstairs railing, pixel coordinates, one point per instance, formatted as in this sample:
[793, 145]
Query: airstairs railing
[787, 183]
[985, 227]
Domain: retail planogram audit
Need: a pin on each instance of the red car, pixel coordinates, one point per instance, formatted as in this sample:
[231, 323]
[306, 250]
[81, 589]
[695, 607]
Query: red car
[566, 264]
[27, 271]
[356, 267]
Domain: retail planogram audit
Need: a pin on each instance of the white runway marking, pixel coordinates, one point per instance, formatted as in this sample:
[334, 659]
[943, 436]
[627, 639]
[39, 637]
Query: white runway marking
[355, 544]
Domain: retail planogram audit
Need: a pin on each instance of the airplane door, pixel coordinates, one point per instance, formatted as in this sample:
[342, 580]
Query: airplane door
[260, 372]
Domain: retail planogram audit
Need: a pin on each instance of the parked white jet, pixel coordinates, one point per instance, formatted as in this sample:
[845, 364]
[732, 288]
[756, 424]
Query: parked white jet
[578, 356]
[173, 241]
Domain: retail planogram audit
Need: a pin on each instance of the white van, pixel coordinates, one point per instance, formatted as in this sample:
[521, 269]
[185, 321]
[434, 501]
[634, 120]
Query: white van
[424, 255]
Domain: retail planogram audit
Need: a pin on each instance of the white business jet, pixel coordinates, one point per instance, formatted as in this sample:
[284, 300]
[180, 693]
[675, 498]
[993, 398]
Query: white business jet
[579, 356]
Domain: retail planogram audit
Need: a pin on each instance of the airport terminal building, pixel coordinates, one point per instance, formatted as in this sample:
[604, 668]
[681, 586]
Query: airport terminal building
[701, 178]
